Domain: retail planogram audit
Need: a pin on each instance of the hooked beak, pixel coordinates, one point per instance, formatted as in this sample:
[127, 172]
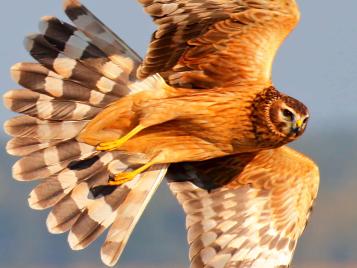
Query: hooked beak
[298, 125]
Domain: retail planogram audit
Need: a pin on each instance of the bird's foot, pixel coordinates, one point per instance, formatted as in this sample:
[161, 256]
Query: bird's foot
[116, 144]
[125, 177]
[120, 179]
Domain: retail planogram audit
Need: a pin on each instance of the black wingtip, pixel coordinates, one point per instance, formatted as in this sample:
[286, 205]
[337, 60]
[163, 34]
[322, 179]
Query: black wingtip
[74, 9]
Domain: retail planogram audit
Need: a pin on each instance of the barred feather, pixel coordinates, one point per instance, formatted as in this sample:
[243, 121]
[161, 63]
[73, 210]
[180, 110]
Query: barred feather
[51, 160]
[54, 189]
[97, 216]
[26, 146]
[39, 79]
[76, 45]
[128, 215]
[65, 213]
[29, 127]
[55, 60]
[76, 172]
[44, 107]
[79, 72]
[102, 37]
[254, 220]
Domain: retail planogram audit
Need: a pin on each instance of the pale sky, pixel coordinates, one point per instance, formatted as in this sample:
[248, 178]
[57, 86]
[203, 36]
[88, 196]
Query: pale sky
[317, 65]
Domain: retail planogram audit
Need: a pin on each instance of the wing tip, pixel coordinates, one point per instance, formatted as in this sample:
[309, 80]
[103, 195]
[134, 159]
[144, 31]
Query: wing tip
[73, 242]
[34, 201]
[12, 123]
[17, 171]
[16, 66]
[106, 256]
[43, 24]
[29, 41]
[15, 72]
[8, 102]
[7, 126]
[10, 147]
[53, 225]
[68, 4]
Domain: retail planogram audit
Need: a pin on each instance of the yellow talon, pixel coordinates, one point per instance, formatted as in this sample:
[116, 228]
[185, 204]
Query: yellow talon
[116, 144]
[119, 181]
[125, 177]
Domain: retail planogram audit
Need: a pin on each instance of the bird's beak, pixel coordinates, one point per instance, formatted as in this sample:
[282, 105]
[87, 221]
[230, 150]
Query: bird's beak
[297, 126]
[298, 123]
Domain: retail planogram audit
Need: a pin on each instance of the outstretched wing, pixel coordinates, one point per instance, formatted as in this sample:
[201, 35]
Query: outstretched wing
[205, 44]
[252, 217]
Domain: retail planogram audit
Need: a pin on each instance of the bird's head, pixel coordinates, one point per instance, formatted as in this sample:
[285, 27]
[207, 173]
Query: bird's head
[289, 116]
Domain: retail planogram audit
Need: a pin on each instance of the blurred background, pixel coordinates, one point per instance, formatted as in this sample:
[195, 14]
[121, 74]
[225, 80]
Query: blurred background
[317, 64]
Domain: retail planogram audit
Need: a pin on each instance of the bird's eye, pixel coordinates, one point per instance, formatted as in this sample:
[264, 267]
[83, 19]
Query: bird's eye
[288, 114]
[305, 121]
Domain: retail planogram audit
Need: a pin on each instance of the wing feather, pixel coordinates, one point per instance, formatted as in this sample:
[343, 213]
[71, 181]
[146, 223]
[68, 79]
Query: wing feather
[206, 44]
[102, 37]
[253, 220]
[79, 72]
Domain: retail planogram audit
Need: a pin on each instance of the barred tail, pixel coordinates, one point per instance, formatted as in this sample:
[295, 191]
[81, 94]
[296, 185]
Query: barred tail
[79, 72]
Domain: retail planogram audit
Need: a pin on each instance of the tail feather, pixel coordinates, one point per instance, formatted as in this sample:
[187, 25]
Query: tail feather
[48, 193]
[29, 127]
[80, 71]
[76, 172]
[77, 46]
[65, 213]
[54, 189]
[51, 160]
[129, 213]
[39, 79]
[55, 60]
[26, 146]
[44, 107]
[66, 38]
[101, 36]
[98, 216]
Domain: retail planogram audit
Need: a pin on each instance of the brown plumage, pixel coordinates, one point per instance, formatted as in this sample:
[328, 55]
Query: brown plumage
[101, 139]
[247, 210]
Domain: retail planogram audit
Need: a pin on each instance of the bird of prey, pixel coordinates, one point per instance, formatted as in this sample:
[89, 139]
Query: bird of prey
[101, 128]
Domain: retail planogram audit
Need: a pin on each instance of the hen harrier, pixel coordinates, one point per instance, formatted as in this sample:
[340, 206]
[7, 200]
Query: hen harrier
[100, 128]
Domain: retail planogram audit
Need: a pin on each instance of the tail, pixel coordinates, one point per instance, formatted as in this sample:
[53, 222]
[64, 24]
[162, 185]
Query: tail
[80, 71]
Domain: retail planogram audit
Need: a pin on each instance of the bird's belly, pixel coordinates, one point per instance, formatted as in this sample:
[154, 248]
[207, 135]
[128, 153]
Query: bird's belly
[191, 139]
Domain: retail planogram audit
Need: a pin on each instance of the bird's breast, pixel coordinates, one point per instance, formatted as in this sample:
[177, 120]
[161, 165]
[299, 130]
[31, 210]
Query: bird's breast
[225, 122]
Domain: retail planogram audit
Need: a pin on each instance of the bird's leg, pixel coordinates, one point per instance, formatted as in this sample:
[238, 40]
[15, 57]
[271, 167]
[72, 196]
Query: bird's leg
[116, 144]
[124, 177]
